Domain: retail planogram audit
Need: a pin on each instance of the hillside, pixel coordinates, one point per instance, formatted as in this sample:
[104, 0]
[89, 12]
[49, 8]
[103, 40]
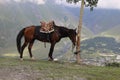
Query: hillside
[101, 45]
[113, 32]
[14, 16]
[95, 48]
[98, 20]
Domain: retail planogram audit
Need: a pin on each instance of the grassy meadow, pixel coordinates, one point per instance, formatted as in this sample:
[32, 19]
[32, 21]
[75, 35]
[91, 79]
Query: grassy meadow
[47, 70]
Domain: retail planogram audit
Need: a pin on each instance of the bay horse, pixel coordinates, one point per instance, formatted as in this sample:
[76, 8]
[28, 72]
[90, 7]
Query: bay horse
[31, 33]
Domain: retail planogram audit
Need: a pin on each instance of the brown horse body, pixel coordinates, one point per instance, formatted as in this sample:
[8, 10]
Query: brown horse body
[30, 35]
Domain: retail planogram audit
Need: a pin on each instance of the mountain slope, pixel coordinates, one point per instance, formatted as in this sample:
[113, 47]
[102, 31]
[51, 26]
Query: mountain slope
[98, 20]
[101, 45]
[14, 16]
[113, 32]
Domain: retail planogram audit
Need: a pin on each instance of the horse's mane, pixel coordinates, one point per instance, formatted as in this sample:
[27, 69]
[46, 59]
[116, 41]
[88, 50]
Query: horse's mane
[61, 27]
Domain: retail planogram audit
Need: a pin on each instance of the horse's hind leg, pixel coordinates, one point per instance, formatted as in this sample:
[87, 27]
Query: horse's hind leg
[22, 49]
[29, 48]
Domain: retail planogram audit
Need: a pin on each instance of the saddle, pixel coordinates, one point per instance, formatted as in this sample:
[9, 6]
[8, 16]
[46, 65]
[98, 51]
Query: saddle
[46, 27]
[46, 30]
[43, 35]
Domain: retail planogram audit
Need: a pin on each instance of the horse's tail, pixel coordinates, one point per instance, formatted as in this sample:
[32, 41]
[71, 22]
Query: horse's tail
[18, 39]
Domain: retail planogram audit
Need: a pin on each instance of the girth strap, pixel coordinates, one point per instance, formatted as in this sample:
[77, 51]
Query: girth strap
[43, 34]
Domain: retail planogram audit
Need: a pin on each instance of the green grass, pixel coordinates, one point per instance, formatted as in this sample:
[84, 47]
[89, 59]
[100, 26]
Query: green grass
[69, 71]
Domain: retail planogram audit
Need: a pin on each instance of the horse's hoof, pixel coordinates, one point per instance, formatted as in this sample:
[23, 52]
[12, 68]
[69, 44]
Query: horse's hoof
[50, 59]
[32, 58]
[21, 59]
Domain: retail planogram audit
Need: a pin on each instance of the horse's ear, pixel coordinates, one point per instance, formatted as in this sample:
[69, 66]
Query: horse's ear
[52, 22]
[42, 23]
[75, 29]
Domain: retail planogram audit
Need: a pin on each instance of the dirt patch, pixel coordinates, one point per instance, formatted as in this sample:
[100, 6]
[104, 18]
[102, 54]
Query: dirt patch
[28, 73]
[19, 73]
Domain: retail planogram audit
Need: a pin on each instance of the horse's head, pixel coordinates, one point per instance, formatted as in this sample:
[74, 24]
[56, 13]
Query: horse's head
[72, 35]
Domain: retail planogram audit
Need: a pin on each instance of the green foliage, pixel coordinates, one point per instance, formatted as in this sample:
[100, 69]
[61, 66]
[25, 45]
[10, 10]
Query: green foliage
[101, 45]
[91, 3]
[87, 3]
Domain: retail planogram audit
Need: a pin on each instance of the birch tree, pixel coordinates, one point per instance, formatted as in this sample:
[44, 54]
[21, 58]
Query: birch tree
[86, 3]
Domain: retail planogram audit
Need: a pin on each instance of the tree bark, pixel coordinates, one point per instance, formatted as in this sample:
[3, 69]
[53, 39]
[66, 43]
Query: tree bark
[78, 57]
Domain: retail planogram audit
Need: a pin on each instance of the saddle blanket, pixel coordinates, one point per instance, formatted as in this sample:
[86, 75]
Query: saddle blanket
[42, 34]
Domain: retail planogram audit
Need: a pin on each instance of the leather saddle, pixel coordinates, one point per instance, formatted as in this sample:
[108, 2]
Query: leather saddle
[43, 34]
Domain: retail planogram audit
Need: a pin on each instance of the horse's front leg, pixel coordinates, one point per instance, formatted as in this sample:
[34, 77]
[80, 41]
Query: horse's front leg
[51, 51]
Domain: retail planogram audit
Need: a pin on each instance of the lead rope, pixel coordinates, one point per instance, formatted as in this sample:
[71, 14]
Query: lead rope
[73, 47]
[45, 44]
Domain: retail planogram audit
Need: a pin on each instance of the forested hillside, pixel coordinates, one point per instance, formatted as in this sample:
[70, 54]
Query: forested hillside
[14, 16]
[101, 45]
[99, 20]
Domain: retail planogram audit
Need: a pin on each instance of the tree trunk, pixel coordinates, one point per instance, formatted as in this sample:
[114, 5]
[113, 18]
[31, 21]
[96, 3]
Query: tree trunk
[79, 33]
